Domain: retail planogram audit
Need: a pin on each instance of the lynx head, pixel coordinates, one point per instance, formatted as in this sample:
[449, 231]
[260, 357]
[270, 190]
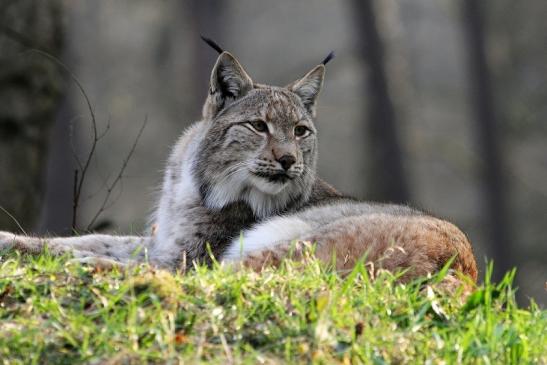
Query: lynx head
[261, 144]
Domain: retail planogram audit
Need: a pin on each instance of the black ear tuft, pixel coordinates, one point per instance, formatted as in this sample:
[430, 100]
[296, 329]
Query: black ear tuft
[329, 57]
[212, 44]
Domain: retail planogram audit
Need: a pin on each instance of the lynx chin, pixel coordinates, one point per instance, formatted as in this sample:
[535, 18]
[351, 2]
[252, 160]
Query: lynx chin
[243, 181]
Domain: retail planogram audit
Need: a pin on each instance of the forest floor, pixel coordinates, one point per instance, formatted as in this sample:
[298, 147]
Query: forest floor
[55, 311]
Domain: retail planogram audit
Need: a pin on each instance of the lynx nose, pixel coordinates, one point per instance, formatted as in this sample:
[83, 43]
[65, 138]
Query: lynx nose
[286, 161]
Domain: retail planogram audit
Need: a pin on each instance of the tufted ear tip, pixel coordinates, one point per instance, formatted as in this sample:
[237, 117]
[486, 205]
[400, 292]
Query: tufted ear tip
[229, 82]
[329, 57]
[212, 44]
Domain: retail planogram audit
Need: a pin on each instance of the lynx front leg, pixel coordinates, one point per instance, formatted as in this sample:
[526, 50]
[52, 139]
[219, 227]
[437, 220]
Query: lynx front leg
[123, 249]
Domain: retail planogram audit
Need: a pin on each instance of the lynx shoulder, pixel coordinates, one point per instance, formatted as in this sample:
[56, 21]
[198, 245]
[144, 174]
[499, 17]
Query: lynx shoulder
[243, 182]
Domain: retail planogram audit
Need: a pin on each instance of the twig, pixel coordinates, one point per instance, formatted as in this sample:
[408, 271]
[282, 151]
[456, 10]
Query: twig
[106, 129]
[78, 182]
[104, 180]
[80, 175]
[104, 183]
[15, 220]
[18, 37]
[118, 177]
[70, 137]
[90, 155]
[116, 198]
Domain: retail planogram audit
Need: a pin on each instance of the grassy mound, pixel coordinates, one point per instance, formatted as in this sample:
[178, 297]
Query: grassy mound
[55, 311]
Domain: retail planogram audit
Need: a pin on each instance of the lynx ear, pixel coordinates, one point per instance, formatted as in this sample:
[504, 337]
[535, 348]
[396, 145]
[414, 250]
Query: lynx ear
[308, 87]
[229, 82]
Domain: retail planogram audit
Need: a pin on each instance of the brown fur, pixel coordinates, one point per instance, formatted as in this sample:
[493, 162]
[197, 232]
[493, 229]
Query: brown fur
[419, 244]
[226, 178]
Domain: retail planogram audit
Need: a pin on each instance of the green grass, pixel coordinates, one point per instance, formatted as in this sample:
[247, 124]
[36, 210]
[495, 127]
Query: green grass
[53, 311]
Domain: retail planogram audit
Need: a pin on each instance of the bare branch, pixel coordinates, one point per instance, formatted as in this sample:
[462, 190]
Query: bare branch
[71, 138]
[104, 184]
[104, 179]
[14, 219]
[80, 175]
[118, 177]
[117, 197]
[81, 180]
[18, 37]
[107, 128]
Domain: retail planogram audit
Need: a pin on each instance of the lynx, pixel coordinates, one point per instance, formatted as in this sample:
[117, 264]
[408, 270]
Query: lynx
[243, 182]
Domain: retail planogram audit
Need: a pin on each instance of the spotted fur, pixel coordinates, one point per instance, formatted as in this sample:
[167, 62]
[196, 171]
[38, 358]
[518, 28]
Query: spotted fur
[242, 182]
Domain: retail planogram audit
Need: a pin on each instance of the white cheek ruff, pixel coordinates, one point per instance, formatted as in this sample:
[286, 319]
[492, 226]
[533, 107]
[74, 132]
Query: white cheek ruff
[242, 186]
[266, 235]
[227, 191]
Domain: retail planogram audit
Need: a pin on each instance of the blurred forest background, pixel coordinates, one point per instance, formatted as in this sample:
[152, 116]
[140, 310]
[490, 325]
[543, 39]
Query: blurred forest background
[441, 104]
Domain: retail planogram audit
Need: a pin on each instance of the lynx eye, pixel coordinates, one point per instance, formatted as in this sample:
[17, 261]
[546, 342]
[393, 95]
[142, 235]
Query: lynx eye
[300, 131]
[259, 126]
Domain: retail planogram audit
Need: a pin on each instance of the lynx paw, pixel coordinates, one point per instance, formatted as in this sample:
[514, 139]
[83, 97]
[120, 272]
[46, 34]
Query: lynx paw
[98, 262]
[7, 240]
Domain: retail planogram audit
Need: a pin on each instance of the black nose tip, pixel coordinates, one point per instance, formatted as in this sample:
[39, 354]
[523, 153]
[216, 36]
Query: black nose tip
[287, 161]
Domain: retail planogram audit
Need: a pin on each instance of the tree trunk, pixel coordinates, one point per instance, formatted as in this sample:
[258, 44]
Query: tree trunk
[487, 132]
[30, 90]
[56, 217]
[386, 174]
